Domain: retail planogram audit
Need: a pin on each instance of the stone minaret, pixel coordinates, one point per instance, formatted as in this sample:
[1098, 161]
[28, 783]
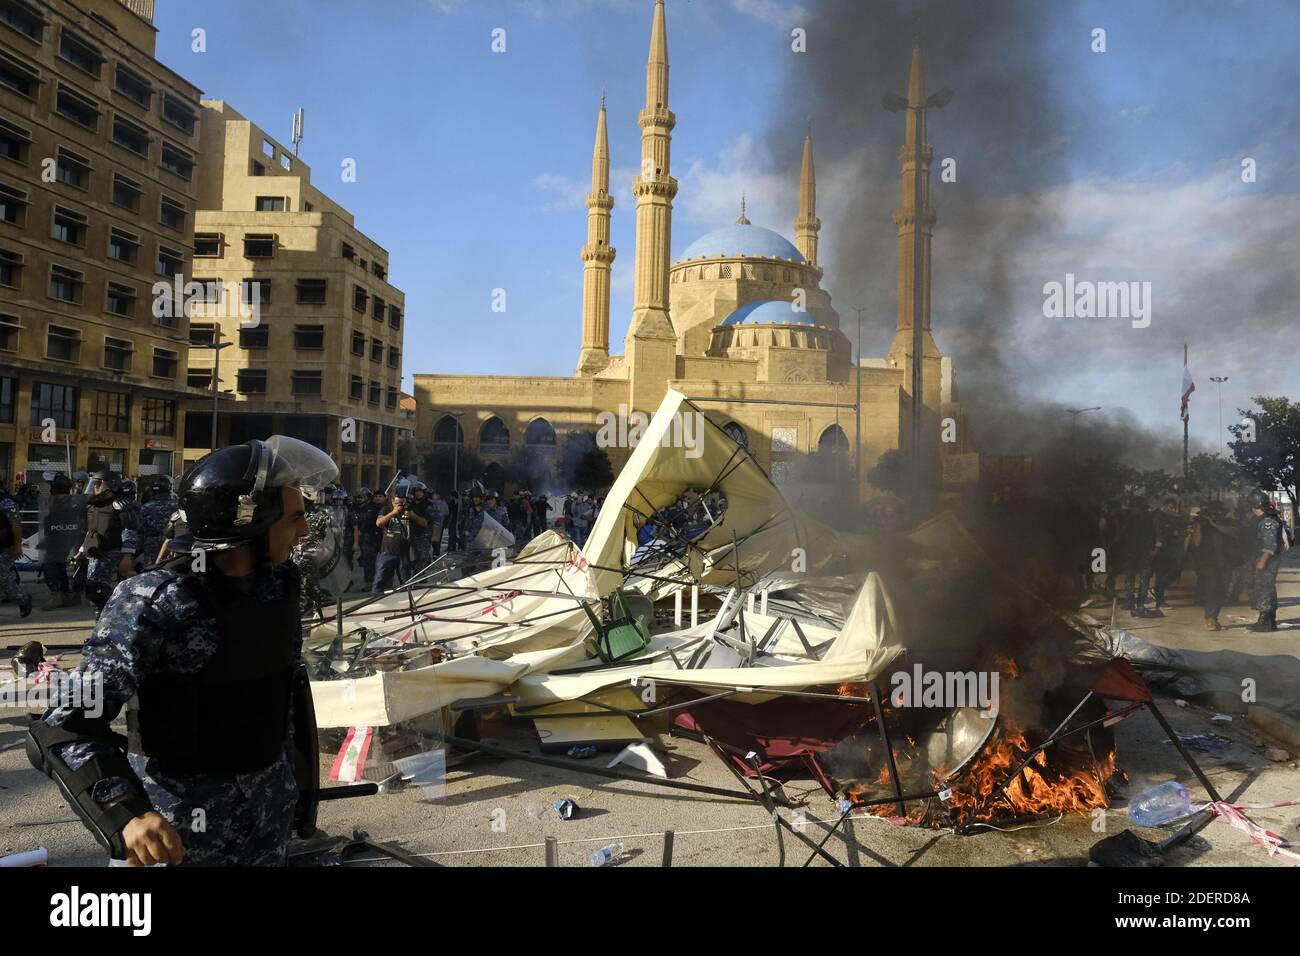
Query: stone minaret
[597, 257]
[807, 224]
[906, 219]
[651, 345]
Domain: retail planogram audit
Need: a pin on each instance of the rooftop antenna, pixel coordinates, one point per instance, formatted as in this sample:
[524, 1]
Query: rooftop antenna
[297, 129]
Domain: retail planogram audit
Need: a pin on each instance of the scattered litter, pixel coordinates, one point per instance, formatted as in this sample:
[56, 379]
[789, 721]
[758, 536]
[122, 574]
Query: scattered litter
[37, 857]
[1160, 804]
[1180, 702]
[567, 809]
[606, 854]
[13, 744]
[581, 753]
[1206, 743]
[640, 757]
[1221, 719]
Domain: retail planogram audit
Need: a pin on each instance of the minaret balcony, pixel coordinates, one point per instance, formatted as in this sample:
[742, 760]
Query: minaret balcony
[661, 117]
[592, 253]
[600, 201]
[657, 186]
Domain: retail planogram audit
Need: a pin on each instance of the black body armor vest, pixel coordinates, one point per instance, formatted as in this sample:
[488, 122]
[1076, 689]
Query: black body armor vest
[103, 529]
[233, 715]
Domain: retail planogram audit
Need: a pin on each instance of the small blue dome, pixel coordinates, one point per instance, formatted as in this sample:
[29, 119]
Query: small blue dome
[769, 312]
[742, 239]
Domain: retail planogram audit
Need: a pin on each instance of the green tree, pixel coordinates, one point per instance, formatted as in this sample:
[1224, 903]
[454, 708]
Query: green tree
[440, 464]
[891, 473]
[584, 466]
[1211, 475]
[1272, 459]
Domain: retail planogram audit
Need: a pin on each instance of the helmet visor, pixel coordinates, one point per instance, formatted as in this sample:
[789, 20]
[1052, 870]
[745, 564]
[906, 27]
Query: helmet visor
[296, 464]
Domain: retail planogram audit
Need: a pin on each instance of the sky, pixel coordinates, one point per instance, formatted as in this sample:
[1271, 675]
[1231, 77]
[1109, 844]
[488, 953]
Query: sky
[1115, 165]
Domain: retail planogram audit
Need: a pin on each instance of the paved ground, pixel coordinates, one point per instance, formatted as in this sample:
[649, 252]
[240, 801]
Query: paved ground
[498, 812]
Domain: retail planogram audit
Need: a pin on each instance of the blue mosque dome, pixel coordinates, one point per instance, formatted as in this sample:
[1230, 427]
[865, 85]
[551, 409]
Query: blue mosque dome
[742, 239]
[769, 312]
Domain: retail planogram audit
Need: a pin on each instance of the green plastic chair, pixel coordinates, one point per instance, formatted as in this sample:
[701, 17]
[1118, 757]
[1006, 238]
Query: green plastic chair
[622, 637]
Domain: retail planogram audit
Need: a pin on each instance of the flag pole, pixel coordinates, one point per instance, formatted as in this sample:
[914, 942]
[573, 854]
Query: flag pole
[1185, 418]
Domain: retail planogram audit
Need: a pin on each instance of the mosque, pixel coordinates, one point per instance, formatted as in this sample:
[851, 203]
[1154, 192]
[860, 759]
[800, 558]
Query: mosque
[740, 323]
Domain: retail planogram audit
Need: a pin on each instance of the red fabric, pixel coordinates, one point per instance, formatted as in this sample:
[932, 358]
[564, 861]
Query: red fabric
[1120, 681]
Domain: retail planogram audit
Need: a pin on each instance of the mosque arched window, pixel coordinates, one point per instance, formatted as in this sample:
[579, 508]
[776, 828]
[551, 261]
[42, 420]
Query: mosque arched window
[493, 436]
[833, 441]
[539, 434]
[448, 432]
[738, 434]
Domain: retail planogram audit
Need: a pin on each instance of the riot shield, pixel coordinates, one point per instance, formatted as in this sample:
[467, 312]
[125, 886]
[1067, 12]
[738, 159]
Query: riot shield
[62, 526]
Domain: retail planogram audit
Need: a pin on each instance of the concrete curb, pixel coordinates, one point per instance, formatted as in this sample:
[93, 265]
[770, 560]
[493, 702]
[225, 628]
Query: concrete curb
[1276, 724]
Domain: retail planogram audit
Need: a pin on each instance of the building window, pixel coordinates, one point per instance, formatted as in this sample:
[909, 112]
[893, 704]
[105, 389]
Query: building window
[73, 106]
[72, 169]
[390, 400]
[121, 300]
[251, 381]
[13, 205]
[170, 262]
[270, 204]
[387, 434]
[18, 76]
[66, 284]
[358, 343]
[347, 252]
[309, 337]
[394, 357]
[164, 363]
[26, 21]
[203, 334]
[376, 350]
[375, 391]
[172, 214]
[379, 270]
[69, 226]
[259, 247]
[448, 432]
[58, 402]
[358, 299]
[11, 268]
[14, 142]
[311, 291]
[198, 378]
[62, 344]
[207, 245]
[255, 290]
[177, 161]
[306, 207]
[130, 137]
[178, 114]
[255, 338]
[126, 193]
[378, 309]
[286, 163]
[123, 246]
[158, 416]
[306, 382]
[494, 436]
[539, 433]
[356, 388]
[134, 87]
[255, 168]
[112, 411]
[268, 149]
[394, 317]
[81, 55]
[10, 327]
[8, 386]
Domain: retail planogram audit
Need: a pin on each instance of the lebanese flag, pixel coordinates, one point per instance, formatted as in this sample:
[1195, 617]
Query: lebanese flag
[1188, 387]
[351, 760]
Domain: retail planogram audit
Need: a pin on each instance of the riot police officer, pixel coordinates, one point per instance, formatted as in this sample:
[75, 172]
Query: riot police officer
[369, 536]
[1266, 553]
[62, 530]
[421, 509]
[207, 649]
[155, 513]
[11, 550]
[111, 538]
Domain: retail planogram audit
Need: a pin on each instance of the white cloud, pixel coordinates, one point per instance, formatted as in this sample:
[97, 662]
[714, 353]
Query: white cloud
[773, 11]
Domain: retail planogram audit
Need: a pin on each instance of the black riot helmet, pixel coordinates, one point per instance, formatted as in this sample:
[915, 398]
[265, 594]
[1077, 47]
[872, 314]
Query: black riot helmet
[232, 496]
[156, 488]
[60, 484]
[105, 477]
[1259, 499]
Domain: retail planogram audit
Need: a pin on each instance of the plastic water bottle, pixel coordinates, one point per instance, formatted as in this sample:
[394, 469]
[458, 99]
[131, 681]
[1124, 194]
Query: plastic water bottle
[1158, 805]
[606, 853]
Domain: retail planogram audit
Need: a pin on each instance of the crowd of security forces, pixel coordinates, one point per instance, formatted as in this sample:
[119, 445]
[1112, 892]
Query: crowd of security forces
[93, 534]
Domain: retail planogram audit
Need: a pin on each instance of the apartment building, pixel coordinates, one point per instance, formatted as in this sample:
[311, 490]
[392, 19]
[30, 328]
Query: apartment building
[98, 164]
[298, 315]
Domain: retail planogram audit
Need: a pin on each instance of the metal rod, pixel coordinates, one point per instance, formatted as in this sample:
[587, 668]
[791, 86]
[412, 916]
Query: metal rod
[889, 749]
[552, 852]
[1174, 739]
[668, 848]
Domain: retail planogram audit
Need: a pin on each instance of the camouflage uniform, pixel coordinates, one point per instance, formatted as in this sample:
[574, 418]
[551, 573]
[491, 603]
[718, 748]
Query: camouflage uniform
[152, 625]
[369, 539]
[9, 588]
[1267, 538]
[154, 516]
[422, 538]
[313, 596]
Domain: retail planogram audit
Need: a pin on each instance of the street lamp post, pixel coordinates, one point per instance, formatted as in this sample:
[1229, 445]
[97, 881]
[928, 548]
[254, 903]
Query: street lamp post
[215, 347]
[857, 414]
[894, 104]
